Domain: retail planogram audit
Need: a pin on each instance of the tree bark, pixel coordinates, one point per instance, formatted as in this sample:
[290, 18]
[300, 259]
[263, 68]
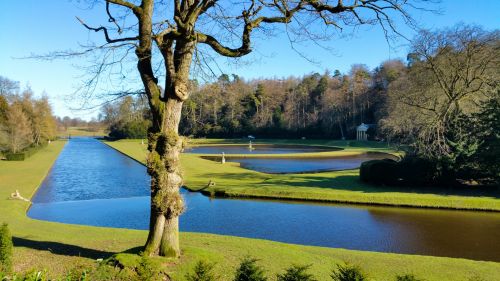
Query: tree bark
[165, 146]
[164, 168]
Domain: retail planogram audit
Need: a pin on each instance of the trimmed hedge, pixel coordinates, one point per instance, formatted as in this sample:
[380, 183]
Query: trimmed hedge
[385, 171]
[15, 156]
[417, 171]
[23, 155]
[409, 171]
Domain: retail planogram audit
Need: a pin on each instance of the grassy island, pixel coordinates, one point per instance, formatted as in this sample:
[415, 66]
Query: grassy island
[337, 186]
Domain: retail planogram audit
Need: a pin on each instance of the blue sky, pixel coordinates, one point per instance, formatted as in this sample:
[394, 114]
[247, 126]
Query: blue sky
[34, 26]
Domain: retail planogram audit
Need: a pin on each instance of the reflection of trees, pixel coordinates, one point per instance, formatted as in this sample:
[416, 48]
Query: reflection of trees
[439, 232]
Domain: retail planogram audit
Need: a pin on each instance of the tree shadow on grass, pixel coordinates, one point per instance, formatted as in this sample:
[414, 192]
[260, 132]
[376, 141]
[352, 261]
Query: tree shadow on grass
[350, 183]
[353, 183]
[58, 248]
[237, 176]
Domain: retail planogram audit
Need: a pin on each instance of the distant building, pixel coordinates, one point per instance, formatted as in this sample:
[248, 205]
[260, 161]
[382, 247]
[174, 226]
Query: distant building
[361, 131]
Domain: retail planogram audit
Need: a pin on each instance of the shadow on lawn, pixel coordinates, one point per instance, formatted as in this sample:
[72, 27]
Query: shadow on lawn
[351, 183]
[61, 248]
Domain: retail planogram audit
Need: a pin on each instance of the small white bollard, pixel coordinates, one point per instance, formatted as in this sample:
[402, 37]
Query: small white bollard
[223, 160]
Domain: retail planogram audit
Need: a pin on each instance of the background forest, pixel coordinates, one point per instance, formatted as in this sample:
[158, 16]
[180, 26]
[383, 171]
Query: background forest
[328, 105]
[441, 105]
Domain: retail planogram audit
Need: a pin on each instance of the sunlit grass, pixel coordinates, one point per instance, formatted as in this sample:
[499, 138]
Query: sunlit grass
[81, 131]
[58, 247]
[337, 186]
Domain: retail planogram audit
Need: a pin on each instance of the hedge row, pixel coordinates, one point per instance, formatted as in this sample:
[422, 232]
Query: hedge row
[409, 171]
[21, 156]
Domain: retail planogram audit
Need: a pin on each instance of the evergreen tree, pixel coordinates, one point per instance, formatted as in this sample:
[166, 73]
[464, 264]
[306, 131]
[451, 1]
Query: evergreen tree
[249, 271]
[6, 247]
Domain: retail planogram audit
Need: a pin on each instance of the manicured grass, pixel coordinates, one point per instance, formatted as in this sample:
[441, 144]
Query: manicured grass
[338, 186]
[58, 247]
[81, 131]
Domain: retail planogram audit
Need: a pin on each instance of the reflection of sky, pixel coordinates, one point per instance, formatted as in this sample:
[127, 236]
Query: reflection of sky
[87, 169]
[256, 149]
[300, 165]
[435, 232]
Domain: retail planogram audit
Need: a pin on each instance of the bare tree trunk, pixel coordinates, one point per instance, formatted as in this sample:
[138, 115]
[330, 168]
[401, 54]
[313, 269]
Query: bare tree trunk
[170, 239]
[165, 146]
[166, 179]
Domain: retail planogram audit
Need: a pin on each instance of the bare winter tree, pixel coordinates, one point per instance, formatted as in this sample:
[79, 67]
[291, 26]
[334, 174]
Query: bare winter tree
[453, 71]
[177, 31]
[17, 129]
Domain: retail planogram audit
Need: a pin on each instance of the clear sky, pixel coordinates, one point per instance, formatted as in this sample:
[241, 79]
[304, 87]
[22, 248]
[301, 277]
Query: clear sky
[34, 26]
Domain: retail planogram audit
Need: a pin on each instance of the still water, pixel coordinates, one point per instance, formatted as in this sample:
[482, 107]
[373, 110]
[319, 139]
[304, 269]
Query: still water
[78, 191]
[257, 149]
[304, 165]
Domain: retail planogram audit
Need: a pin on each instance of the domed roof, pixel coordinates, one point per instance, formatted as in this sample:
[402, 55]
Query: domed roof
[363, 127]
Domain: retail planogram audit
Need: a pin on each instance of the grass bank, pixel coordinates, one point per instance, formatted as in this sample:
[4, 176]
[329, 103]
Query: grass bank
[338, 186]
[58, 247]
[81, 131]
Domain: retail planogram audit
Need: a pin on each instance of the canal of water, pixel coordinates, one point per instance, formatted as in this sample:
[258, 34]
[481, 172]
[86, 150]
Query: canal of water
[92, 184]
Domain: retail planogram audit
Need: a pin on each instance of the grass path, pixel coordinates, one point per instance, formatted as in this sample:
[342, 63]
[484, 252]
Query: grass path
[58, 247]
[338, 186]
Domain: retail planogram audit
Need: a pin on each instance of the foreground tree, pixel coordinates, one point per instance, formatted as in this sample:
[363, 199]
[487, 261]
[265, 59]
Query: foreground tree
[184, 28]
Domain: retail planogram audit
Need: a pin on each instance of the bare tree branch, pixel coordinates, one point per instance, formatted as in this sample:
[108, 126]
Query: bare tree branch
[106, 34]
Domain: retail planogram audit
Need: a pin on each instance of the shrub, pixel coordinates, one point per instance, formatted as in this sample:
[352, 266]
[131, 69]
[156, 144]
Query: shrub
[35, 275]
[129, 266]
[411, 170]
[417, 171]
[15, 156]
[249, 271]
[79, 273]
[296, 273]
[203, 271]
[407, 277]
[28, 152]
[107, 272]
[5, 249]
[384, 171]
[347, 273]
[149, 270]
[134, 129]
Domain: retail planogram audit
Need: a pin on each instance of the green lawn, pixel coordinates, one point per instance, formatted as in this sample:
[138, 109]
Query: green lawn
[57, 247]
[81, 131]
[340, 186]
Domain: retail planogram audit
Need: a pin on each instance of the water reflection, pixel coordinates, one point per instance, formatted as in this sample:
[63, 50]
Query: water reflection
[258, 149]
[87, 169]
[304, 165]
[471, 235]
